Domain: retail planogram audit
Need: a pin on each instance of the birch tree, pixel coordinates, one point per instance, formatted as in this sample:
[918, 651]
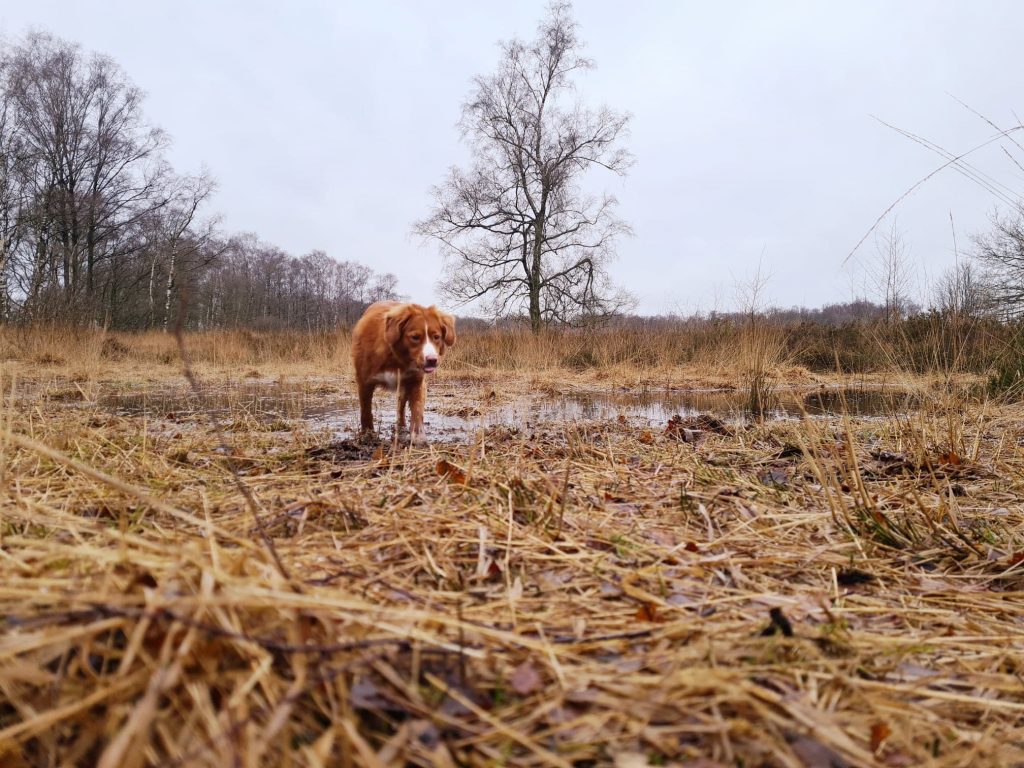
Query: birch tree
[517, 228]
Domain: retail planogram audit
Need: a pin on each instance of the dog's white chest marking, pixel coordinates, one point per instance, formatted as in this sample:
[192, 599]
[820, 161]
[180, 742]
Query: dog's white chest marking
[388, 379]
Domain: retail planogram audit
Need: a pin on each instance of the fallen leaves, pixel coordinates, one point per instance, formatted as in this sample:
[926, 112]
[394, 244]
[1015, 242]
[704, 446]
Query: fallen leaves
[694, 429]
[525, 679]
[451, 472]
[775, 477]
[879, 733]
[648, 612]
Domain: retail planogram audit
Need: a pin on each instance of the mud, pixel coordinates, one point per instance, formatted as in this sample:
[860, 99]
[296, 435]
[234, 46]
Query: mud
[456, 410]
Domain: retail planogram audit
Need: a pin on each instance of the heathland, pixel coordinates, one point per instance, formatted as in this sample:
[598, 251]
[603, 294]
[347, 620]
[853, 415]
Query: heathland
[213, 571]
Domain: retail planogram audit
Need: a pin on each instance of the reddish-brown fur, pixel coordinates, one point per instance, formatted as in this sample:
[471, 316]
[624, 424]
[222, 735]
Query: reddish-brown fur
[391, 345]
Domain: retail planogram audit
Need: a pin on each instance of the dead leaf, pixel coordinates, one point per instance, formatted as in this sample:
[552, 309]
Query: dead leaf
[691, 547]
[775, 478]
[879, 733]
[646, 436]
[366, 695]
[950, 458]
[814, 754]
[647, 612]
[451, 472]
[525, 679]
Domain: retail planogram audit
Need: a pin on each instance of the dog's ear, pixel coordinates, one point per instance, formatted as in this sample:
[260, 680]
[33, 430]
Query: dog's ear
[394, 322]
[447, 328]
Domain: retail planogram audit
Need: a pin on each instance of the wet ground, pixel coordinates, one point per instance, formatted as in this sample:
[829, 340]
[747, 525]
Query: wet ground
[456, 409]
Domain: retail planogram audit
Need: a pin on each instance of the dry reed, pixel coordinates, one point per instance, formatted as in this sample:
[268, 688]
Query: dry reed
[818, 592]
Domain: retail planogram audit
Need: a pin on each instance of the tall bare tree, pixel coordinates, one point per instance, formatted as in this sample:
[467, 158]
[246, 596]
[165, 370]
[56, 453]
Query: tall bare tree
[12, 194]
[891, 274]
[92, 165]
[1000, 251]
[961, 292]
[96, 227]
[517, 228]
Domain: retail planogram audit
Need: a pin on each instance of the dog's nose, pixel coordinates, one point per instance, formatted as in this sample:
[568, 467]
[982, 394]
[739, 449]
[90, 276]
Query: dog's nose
[431, 361]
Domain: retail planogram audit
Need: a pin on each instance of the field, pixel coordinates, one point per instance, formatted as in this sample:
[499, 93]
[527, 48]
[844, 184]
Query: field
[216, 573]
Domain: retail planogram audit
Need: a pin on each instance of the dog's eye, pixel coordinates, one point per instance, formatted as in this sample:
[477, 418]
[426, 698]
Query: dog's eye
[436, 336]
[415, 338]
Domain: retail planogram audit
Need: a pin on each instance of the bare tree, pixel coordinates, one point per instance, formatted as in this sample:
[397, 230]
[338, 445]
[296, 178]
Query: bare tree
[95, 225]
[92, 167]
[961, 292]
[183, 241]
[12, 194]
[1000, 252]
[516, 228]
[891, 274]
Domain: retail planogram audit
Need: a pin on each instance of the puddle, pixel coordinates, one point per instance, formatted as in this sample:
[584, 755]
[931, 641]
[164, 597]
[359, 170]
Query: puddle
[451, 413]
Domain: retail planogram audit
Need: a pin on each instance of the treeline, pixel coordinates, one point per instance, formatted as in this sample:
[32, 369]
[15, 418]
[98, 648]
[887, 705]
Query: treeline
[96, 227]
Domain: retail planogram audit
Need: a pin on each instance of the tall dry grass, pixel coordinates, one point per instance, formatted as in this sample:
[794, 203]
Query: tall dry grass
[753, 352]
[59, 345]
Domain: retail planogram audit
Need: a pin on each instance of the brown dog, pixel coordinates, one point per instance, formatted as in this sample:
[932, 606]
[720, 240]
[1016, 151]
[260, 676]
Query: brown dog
[395, 345]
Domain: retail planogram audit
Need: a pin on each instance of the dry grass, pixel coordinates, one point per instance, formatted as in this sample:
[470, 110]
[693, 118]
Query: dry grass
[820, 592]
[698, 356]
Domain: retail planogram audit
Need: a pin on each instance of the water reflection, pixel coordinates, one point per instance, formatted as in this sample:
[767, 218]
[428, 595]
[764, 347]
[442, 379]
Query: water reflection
[450, 412]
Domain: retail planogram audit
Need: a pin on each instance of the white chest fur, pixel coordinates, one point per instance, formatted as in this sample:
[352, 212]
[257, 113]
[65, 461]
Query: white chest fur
[388, 379]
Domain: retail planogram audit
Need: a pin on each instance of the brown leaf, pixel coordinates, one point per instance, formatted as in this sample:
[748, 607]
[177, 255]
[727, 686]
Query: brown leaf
[647, 612]
[525, 679]
[691, 547]
[815, 754]
[451, 472]
[775, 477]
[646, 436]
[879, 733]
[950, 458]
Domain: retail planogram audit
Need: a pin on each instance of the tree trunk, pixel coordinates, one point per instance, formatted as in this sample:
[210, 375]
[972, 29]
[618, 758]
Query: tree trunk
[170, 289]
[535, 275]
[152, 292]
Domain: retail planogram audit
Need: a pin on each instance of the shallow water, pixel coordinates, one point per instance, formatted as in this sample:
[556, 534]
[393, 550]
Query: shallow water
[453, 411]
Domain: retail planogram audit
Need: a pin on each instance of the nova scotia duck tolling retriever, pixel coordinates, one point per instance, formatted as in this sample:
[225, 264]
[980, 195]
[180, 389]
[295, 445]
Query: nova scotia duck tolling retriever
[395, 345]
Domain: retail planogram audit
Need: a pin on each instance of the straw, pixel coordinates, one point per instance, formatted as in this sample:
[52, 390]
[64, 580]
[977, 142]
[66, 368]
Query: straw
[844, 591]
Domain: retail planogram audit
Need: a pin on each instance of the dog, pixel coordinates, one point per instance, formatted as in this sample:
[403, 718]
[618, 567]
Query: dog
[396, 345]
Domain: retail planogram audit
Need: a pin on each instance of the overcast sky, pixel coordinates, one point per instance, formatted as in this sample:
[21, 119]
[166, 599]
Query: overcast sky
[326, 123]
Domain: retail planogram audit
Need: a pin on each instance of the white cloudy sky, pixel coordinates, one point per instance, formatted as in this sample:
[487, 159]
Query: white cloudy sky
[325, 123]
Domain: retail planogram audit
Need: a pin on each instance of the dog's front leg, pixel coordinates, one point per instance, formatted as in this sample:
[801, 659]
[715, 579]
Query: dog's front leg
[403, 399]
[416, 394]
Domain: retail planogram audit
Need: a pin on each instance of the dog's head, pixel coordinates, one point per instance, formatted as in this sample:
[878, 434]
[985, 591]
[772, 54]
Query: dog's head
[419, 335]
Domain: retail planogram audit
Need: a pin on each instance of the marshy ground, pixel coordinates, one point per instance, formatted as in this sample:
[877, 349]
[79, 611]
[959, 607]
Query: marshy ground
[568, 575]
